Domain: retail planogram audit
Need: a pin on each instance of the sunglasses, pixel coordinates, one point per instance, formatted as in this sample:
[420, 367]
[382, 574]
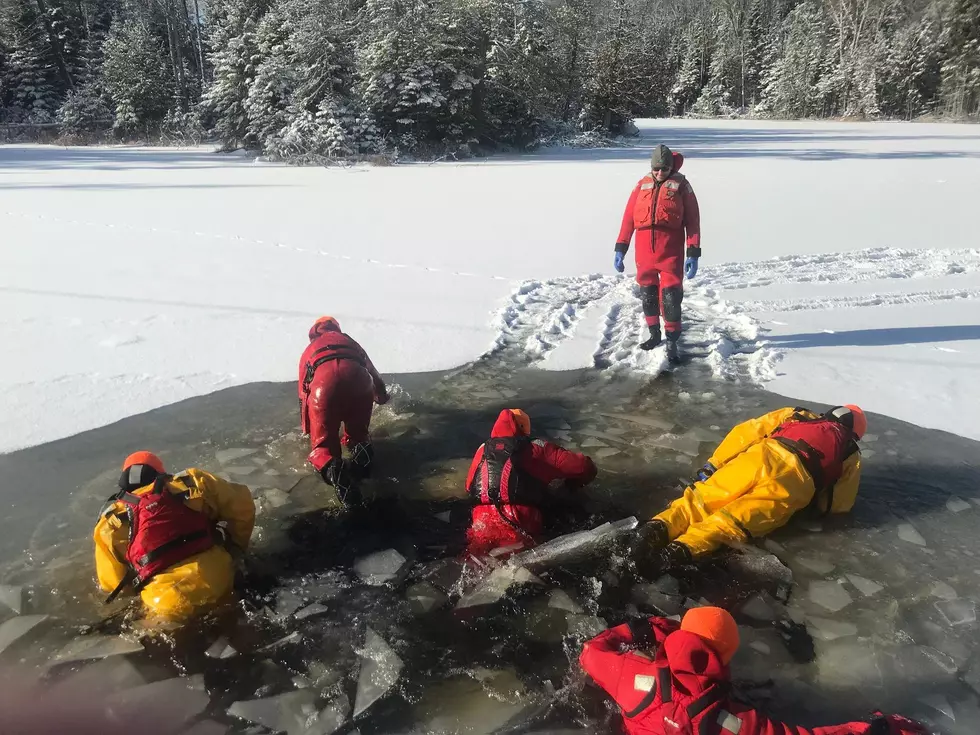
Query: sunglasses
[661, 168]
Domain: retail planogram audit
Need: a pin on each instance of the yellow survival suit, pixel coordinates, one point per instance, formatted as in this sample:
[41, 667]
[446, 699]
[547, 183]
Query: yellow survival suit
[766, 470]
[197, 581]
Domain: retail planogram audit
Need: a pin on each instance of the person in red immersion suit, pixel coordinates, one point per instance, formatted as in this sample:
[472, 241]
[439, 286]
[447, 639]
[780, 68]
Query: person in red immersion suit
[338, 384]
[661, 209]
[673, 679]
[508, 483]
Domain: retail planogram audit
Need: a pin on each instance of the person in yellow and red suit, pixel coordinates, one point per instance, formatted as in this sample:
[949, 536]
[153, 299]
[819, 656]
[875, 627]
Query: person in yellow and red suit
[663, 211]
[673, 679]
[160, 537]
[763, 472]
[508, 483]
[338, 383]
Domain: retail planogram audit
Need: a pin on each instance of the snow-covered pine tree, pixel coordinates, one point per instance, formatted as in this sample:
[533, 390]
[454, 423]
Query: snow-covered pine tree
[960, 91]
[137, 76]
[793, 85]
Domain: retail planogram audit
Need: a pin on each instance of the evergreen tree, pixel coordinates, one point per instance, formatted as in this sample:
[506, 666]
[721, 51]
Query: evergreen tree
[961, 71]
[136, 76]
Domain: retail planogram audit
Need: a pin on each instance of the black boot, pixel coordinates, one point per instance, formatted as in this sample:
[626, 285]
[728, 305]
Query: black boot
[673, 356]
[654, 341]
[338, 474]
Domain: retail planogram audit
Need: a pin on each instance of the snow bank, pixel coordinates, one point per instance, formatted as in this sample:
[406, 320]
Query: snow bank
[133, 277]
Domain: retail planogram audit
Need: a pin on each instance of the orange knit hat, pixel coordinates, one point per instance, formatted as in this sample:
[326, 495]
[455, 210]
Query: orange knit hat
[522, 420]
[716, 626]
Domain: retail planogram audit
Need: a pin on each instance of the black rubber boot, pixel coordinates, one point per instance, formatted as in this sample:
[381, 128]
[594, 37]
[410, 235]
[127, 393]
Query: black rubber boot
[654, 341]
[673, 356]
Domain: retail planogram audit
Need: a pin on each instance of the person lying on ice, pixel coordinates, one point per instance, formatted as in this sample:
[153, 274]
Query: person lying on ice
[660, 210]
[764, 471]
[338, 383]
[673, 679]
[508, 483]
[159, 536]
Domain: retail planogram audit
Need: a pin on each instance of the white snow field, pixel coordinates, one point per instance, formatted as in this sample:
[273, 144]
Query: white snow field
[841, 264]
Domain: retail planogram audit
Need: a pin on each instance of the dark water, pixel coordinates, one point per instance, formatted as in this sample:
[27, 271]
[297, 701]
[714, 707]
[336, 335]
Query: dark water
[880, 613]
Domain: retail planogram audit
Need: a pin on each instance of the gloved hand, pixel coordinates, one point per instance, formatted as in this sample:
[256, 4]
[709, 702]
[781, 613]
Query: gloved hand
[657, 563]
[895, 725]
[691, 267]
[706, 471]
[618, 262]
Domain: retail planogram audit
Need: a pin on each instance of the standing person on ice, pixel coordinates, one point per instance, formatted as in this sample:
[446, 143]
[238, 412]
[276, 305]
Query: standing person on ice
[338, 383]
[660, 210]
[673, 679]
[508, 483]
[160, 536]
[763, 472]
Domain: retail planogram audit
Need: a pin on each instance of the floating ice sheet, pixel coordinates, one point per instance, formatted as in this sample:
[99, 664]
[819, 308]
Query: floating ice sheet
[647, 421]
[185, 699]
[760, 607]
[380, 669]
[16, 628]
[907, 532]
[573, 546]
[958, 612]
[495, 585]
[865, 586]
[291, 713]
[816, 564]
[12, 597]
[957, 505]
[829, 595]
[221, 649]
[943, 591]
[226, 456]
[647, 597]
[206, 727]
[425, 597]
[561, 600]
[585, 626]
[96, 646]
[830, 630]
[381, 567]
[310, 610]
[757, 564]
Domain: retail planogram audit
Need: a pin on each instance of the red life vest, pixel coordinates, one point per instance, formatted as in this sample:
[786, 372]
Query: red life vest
[660, 205]
[666, 708]
[162, 531]
[338, 346]
[822, 444]
[498, 479]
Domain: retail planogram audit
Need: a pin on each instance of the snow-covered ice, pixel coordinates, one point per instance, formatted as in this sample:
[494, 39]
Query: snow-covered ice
[133, 277]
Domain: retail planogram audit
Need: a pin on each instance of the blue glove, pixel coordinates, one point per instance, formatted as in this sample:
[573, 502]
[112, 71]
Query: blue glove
[618, 262]
[691, 267]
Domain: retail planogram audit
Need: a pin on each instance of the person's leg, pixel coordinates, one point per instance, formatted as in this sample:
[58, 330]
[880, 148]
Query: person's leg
[324, 406]
[358, 406]
[671, 295]
[650, 298]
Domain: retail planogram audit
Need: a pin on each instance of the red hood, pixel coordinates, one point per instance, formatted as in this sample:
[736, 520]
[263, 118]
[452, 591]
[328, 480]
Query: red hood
[678, 161]
[505, 425]
[692, 661]
[321, 328]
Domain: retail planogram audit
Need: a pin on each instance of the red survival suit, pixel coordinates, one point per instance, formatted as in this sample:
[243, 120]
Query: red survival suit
[337, 383]
[508, 479]
[683, 690]
[660, 213]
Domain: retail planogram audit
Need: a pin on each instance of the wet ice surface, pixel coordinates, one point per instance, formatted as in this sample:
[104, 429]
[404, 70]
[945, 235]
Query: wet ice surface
[361, 624]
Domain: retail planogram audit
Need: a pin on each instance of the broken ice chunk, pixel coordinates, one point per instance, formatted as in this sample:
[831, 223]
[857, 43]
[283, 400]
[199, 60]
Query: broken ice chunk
[943, 591]
[907, 532]
[332, 717]
[445, 517]
[425, 597]
[294, 637]
[275, 497]
[380, 669]
[939, 703]
[865, 586]
[290, 713]
[593, 442]
[830, 595]
[641, 420]
[561, 600]
[684, 444]
[185, 699]
[816, 564]
[668, 585]
[220, 649]
[758, 607]
[224, 456]
[585, 626]
[755, 563]
[381, 567]
[830, 630]
[206, 727]
[495, 586]
[957, 505]
[957, 612]
[574, 546]
[648, 597]
[310, 610]
[12, 597]
[96, 646]
[287, 602]
[608, 452]
[241, 470]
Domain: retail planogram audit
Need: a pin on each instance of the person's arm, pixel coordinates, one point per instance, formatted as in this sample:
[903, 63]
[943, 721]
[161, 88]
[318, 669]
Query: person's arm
[304, 418]
[692, 221]
[380, 389]
[111, 541]
[604, 656]
[575, 468]
[746, 434]
[627, 227]
[222, 501]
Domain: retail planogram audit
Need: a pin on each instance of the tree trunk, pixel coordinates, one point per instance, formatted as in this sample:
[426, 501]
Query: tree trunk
[200, 46]
[56, 45]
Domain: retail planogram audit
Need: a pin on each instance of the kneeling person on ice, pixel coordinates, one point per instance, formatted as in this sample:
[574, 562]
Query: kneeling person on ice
[664, 214]
[508, 483]
[763, 472]
[160, 536]
[673, 679]
[338, 383]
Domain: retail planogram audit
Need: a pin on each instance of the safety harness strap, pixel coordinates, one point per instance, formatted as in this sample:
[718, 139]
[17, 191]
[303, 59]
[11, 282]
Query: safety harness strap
[170, 545]
[336, 352]
[128, 577]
